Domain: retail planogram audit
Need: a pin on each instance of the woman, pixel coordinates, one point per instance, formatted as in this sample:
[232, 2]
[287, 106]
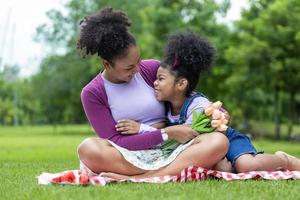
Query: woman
[124, 90]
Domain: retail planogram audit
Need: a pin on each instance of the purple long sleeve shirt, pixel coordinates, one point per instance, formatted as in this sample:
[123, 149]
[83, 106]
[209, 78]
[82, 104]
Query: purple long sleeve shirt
[95, 103]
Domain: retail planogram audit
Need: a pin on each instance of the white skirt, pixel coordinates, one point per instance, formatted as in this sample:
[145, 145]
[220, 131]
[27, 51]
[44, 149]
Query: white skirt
[151, 159]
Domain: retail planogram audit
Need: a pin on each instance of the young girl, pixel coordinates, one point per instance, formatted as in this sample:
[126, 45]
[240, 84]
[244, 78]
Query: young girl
[186, 57]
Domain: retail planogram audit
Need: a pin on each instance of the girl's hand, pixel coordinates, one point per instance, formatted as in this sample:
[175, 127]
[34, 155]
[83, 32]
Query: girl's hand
[127, 126]
[227, 116]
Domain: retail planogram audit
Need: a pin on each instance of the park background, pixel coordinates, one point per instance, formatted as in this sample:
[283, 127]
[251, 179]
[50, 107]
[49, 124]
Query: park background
[256, 76]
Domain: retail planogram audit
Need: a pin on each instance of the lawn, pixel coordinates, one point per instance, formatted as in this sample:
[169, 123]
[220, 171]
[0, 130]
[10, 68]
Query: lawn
[25, 152]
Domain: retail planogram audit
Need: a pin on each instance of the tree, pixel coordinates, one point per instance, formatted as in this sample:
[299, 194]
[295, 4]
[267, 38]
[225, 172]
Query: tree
[269, 51]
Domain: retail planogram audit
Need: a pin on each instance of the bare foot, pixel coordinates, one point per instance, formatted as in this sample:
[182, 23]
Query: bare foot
[115, 176]
[223, 165]
[293, 162]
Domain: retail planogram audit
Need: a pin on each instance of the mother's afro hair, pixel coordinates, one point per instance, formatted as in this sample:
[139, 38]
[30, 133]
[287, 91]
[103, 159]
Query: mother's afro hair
[105, 34]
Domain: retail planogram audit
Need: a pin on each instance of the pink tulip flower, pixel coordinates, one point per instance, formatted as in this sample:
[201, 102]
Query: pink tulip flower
[217, 105]
[215, 123]
[223, 127]
[208, 111]
[224, 121]
[216, 114]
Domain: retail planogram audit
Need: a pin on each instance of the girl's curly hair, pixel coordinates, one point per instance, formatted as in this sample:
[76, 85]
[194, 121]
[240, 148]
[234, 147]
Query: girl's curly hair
[105, 34]
[187, 56]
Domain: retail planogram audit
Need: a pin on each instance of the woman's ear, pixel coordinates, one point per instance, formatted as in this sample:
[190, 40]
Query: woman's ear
[182, 84]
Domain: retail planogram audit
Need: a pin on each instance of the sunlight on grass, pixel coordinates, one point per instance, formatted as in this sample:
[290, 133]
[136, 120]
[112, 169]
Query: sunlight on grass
[48, 129]
[27, 153]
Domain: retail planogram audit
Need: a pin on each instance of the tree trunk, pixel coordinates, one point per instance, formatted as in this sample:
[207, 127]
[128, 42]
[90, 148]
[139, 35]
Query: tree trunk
[276, 113]
[291, 114]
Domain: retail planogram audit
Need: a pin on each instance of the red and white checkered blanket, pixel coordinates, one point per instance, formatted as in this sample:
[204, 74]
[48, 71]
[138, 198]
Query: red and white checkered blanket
[77, 177]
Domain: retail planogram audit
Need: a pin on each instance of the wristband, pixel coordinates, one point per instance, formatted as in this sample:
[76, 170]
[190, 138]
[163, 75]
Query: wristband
[164, 134]
[145, 127]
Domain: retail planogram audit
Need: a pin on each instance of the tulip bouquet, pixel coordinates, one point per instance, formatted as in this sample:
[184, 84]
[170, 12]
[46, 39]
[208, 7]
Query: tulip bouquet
[208, 121]
[211, 119]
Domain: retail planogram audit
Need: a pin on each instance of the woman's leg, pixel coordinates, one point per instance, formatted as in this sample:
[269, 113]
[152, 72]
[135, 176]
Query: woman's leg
[100, 156]
[205, 152]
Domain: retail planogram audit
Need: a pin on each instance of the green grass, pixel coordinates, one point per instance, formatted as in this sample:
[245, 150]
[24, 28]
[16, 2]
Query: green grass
[25, 152]
[267, 129]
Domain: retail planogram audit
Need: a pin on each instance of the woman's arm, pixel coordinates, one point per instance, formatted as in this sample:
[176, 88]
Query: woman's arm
[181, 133]
[128, 126]
[100, 117]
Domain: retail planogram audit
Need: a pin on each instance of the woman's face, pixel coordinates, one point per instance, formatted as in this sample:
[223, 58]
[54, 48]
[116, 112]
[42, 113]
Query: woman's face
[123, 69]
[164, 85]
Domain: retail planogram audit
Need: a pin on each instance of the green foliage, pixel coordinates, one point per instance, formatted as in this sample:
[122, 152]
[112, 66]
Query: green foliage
[267, 58]
[58, 85]
[256, 73]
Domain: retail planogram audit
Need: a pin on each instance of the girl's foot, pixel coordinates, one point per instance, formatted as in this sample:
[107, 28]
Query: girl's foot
[223, 165]
[293, 162]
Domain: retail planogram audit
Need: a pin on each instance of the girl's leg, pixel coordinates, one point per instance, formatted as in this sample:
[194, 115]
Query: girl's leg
[260, 162]
[206, 151]
[100, 156]
[293, 162]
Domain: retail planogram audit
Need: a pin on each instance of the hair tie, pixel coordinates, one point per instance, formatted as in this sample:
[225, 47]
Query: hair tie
[176, 63]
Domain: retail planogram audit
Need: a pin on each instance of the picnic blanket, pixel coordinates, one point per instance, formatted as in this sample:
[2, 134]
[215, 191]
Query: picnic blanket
[81, 177]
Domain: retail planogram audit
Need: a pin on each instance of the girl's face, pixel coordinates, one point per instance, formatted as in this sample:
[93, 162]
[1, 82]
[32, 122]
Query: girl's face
[123, 69]
[165, 85]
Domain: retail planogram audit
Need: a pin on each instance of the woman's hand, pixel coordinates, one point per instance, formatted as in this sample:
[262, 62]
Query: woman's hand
[181, 133]
[127, 126]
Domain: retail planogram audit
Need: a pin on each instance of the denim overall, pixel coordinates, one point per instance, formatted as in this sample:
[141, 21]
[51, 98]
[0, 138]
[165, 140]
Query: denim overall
[239, 144]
